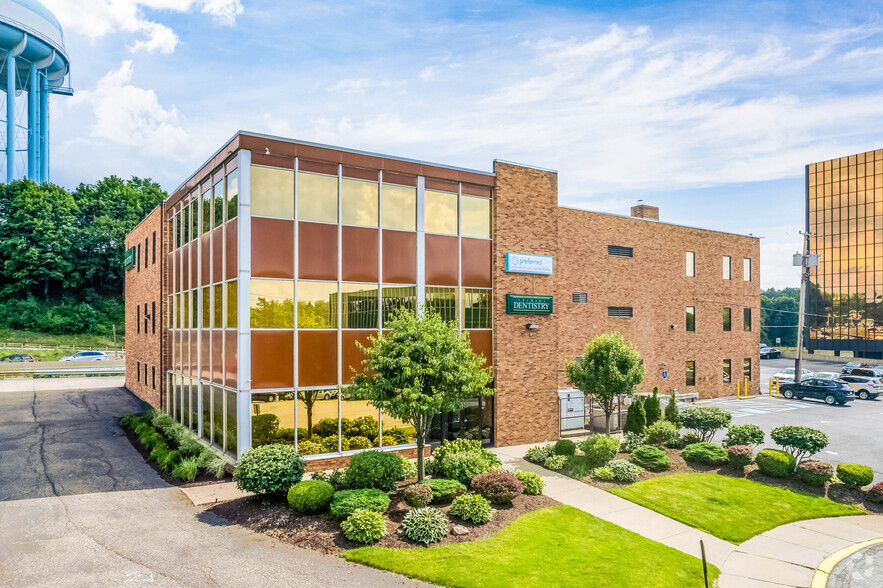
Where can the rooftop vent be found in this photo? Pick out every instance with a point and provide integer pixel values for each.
(645, 211)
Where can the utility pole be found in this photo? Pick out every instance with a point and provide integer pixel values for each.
(805, 262)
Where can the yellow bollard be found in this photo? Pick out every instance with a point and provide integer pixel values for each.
(777, 387)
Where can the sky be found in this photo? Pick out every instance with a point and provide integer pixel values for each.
(708, 110)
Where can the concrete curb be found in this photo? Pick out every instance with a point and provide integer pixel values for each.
(820, 580)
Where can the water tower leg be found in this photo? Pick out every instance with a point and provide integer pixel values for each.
(33, 94)
(44, 131)
(10, 117)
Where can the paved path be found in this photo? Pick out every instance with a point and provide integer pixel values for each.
(79, 507)
(860, 568)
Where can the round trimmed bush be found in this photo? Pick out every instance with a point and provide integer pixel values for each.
(815, 473)
(704, 453)
(269, 469)
(409, 468)
(875, 493)
(624, 471)
(690, 439)
(540, 453)
(498, 487)
(800, 442)
(739, 456)
(599, 449)
(310, 496)
(417, 495)
(425, 525)
(662, 433)
(330, 444)
(472, 507)
(650, 458)
(555, 462)
(359, 442)
(533, 484)
(605, 474)
(444, 490)
(374, 469)
(364, 526)
(750, 435)
(775, 463)
(345, 502)
(565, 447)
(855, 475)
(307, 447)
(705, 420)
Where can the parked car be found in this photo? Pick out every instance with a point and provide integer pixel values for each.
(86, 356)
(770, 353)
(826, 375)
(849, 367)
(867, 372)
(864, 388)
(787, 374)
(18, 357)
(831, 391)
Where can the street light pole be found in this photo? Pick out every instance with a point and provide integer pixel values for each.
(805, 263)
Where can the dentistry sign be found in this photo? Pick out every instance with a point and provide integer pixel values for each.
(522, 263)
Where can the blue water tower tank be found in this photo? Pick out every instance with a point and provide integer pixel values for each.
(34, 65)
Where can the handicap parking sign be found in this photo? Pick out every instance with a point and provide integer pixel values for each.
(664, 375)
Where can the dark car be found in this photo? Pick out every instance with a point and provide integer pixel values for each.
(865, 372)
(831, 391)
(770, 353)
(18, 357)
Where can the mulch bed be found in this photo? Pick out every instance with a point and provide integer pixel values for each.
(202, 478)
(836, 492)
(322, 532)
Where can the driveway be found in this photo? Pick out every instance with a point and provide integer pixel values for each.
(79, 507)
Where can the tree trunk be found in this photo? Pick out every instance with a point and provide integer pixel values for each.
(420, 432)
(607, 421)
(46, 289)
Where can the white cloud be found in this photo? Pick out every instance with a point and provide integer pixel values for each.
(131, 116)
(96, 18)
(351, 86)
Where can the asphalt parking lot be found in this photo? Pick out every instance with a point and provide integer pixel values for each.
(854, 429)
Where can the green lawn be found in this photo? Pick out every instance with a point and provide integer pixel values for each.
(558, 546)
(734, 509)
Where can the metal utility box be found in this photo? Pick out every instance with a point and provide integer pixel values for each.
(573, 409)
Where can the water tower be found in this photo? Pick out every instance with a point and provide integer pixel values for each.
(34, 65)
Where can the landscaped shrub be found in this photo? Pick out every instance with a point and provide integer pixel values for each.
(630, 442)
(359, 442)
(472, 507)
(190, 446)
(651, 458)
(690, 439)
(565, 447)
(456, 446)
(159, 451)
(186, 469)
(624, 471)
(739, 456)
(395, 436)
(652, 407)
(705, 420)
(577, 466)
(364, 426)
(169, 460)
(426, 525)
(336, 478)
(599, 449)
(540, 453)
(875, 493)
(498, 487)
(604, 474)
(466, 465)
(264, 428)
(269, 469)
(815, 473)
(345, 502)
(310, 496)
(417, 495)
(374, 469)
(855, 475)
(775, 463)
(705, 453)
(444, 490)
(636, 418)
(330, 444)
(672, 414)
(364, 526)
(307, 447)
(327, 427)
(533, 483)
(662, 433)
(801, 442)
(409, 468)
(750, 435)
(555, 462)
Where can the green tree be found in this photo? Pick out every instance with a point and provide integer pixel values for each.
(421, 367)
(778, 316)
(636, 418)
(672, 414)
(653, 408)
(610, 367)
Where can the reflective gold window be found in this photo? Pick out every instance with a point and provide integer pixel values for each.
(476, 217)
(232, 194)
(360, 306)
(272, 192)
(316, 305)
(359, 203)
(272, 304)
(231, 305)
(691, 373)
(443, 301)
(728, 371)
(440, 213)
(217, 305)
(178, 320)
(399, 207)
(194, 306)
(746, 368)
(476, 308)
(396, 297)
(205, 305)
(186, 313)
(316, 197)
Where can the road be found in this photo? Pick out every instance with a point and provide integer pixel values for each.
(79, 507)
(853, 430)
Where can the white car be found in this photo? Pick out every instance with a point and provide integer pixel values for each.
(826, 375)
(86, 356)
(787, 375)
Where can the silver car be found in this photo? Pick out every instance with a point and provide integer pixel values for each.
(86, 356)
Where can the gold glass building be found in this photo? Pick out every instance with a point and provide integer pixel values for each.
(844, 215)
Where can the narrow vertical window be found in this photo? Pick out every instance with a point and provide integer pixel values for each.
(153, 247)
(746, 269)
(153, 377)
(146, 252)
(746, 369)
(145, 318)
(153, 317)
(728, 267)
(139, 370)
(691, 264)
(746, 319)
(138, 318)
(691, 373)
(727, 319)
(138, 256)
(728, 371)
(691, 318)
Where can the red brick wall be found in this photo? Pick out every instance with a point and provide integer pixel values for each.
(145, 349)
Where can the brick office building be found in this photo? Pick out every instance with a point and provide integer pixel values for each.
(281, 255)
